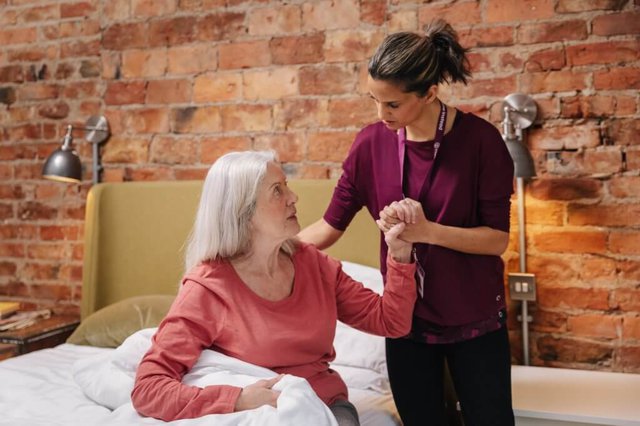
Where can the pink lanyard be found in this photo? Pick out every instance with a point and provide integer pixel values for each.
(437, 141)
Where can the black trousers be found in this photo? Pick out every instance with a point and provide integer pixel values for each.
(480, 370)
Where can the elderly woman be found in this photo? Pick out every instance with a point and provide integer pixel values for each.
(254, 292)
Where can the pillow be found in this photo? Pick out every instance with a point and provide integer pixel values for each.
(111, 325)
(355, 348)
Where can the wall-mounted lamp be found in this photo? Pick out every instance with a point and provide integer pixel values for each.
(518, 113)
(64, 163)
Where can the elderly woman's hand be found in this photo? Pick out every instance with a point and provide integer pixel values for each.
(258, 394)
(418, 228)
(399, 250)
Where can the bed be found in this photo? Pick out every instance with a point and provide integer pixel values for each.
(134, 236)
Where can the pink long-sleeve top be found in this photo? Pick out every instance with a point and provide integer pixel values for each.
(215, 309)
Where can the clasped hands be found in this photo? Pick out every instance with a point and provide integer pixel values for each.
(403, 223)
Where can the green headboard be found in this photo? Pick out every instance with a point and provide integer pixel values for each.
(135, 234)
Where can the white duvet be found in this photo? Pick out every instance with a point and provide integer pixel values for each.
(108, 380)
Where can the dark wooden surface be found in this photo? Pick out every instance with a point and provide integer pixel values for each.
(45, 333)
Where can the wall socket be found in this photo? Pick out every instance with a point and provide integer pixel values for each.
(522, 286)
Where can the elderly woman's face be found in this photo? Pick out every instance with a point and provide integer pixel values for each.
(275, 215)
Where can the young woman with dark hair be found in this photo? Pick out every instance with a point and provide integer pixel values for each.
(457, 167)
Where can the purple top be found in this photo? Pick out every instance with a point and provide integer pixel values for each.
(468, 185)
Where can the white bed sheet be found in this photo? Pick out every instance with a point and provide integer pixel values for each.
(39, 389)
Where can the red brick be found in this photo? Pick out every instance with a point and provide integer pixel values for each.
(557, 138)
(275, 20)
(617, 78)
(221, 26)
(620, 23)
(58, 232)
(301, 113)
(571, 6)
(457, 14)
(246, 118)
(170, 150)
(213, 148)
(244, 55)
(559, 270)
(11, 74)
(7, 269)
(571, 242)
(327, 80)
(501, 11)
(37, 92)
(79, 9)
(39, 14)
(349, 112)
(574, 298)
(297, 49)
(144, 63)
(283, 83)
(122, 93)
(192, 59)
(625, 242)
(289, 146)
(217, 87)
(153, 173)
(373, 11)
(610, 52)
(146, 8)
(329, 146)
(573, 351)
(626, 299)
(543, 321)
(604, 215)
(629, 270)
(629, 356)
(546, 60)
(625, 132)
(554, 81)
(82, 28)
(172, 31)
(625, 186)
(18, 36)
(196, 120)
(147, 120)
(587, 106)
(55, 111)
(351, 46)
(121, 36)
(173, 91)
(486, 36)
(11, 249)
(126, 149)
(496, 86)
(602, 326)
(631, 328)
(602, 162)
(547, 32)
(329, 15)
(568, 189)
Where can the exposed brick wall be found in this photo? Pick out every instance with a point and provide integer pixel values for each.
(183, 81)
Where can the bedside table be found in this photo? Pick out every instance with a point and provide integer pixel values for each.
(45, 333)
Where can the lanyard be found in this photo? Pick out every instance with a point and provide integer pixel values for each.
(402, 140)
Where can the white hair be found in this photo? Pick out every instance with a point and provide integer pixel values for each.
(222, 227)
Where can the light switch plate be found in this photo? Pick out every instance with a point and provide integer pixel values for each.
(522, 286)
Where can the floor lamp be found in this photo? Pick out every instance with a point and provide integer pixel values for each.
(518, 113)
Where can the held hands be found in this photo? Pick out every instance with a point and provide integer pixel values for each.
(399, 249)
(408, 211)
(258, 394)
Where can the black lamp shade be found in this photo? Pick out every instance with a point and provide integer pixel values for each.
(522, 160)
(63, 165)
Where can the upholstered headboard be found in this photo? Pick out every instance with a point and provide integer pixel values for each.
(135, 234)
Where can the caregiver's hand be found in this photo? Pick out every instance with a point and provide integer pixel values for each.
(258, 394)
